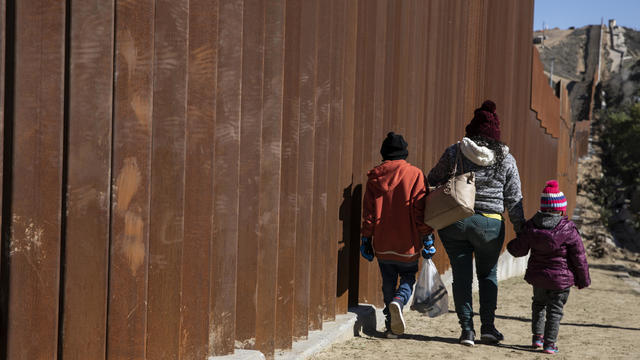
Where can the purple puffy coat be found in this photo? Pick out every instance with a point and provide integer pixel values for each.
(557, 258)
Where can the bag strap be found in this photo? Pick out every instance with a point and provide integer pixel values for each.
(458, 159)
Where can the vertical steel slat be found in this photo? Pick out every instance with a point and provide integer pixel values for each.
(33, 254)
(249, 182)
(224, 256)
(130, 180)
(288, 176)
(166, 223)
(198, 203)
(306, 132)
(90, 99)
(270, 176)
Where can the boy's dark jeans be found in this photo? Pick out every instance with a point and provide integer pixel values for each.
(483, 237)
(550, 303)
(390, 270)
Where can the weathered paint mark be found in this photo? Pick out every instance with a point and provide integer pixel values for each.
(246, 344)
(139, 101)
(33, 234)
(130, 314)
(168, 226)
(128, 50)
(127, 184)
(159, 261)
(202, 61)
(32, 239)
(217, 330)
(82, 197)
(142, 108)
(133, 244)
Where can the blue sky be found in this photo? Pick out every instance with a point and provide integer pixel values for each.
(578, 13)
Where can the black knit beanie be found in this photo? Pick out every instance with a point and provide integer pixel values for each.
(394, 147)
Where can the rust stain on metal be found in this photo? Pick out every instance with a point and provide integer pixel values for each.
(141, 107)
(133, 244)
(83, 197)
(127, 184)
(129, 51)
(202, 61)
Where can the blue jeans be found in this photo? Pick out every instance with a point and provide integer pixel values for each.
(390, 270)
(483, 237)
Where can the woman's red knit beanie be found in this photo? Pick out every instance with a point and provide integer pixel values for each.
(485, 122)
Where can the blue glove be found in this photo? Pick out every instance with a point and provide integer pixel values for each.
(429, 250)
(366, 250)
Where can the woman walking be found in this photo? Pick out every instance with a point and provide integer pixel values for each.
(482, 234)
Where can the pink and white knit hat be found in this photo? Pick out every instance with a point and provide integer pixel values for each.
(552, 199)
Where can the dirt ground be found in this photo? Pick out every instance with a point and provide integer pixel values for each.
(600, 322)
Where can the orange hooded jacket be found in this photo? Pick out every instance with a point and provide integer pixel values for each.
(393, 210)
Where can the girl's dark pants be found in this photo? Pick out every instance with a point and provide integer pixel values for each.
(550, 303)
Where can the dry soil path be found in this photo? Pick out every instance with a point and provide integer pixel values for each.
(600, 322)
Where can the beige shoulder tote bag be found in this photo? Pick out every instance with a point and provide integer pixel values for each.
(453, 200)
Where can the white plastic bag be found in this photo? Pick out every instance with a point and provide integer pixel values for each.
(431, 295)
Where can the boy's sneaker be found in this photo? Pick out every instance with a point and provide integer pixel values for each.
(467, 337)
(490, 335)
(537, 341)
(397, 320)
(550, 348)
(390, 335)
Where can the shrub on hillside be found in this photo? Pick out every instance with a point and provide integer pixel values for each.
(617, 191)
(620, 138)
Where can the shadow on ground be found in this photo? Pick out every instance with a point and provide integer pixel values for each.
(617, 268)
(603, 326)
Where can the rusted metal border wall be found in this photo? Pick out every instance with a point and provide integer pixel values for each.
(185, 177)
(582, 133)
(595, 32)
(553, 110)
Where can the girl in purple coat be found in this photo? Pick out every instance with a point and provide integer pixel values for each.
(557, 262)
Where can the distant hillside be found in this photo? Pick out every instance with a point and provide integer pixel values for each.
(609, 187)
(574, 55)
(621, 83)
(567, 48)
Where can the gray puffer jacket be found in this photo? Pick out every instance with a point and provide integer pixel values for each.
(496, 189)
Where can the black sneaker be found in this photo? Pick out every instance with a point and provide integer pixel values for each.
(390, 335)
(467, 337)
(490, 335)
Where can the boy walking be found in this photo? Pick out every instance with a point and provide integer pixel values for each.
(393, 228)
(557, 263)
